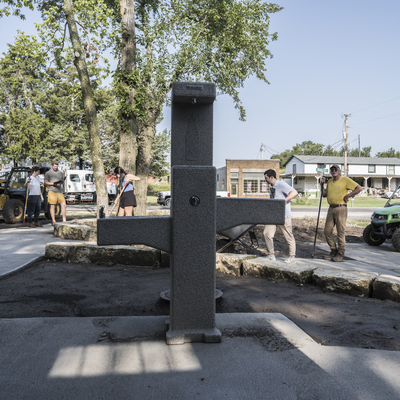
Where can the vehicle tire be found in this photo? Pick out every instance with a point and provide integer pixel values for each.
(396, 239)
(57, 213)
(168, 202)
(13, 211)
(222, 242)
(370, 238)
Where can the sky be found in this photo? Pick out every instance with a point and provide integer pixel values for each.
(331, 58)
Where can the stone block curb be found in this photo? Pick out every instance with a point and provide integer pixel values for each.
(355, 283)
(262, 267)
(84, 229)
(350, 282)
(231, 264)
(91, 253)
(386, 287)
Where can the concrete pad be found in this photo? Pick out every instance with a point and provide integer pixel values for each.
(262, 267)
(350, 282)
(261, 356)
(91, 253)
(386, 287)
(231, 264)
(383, 259)
(21, 246)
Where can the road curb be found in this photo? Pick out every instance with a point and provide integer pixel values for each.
(21, 267)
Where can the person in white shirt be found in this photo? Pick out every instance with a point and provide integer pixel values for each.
(280, 190)
(34, 198)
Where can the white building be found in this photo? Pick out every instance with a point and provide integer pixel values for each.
(369, 172)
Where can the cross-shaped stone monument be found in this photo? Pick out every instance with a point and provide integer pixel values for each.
(188, 234)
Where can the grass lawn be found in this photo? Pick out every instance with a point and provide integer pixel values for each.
(152, 192)
(357, 202)
(151, 200)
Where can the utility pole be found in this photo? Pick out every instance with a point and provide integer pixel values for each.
(261, 150)
(359, 146)
(345, 144)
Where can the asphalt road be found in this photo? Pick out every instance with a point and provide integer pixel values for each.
(354, 213)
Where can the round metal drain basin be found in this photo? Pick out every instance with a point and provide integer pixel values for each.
(165, 295)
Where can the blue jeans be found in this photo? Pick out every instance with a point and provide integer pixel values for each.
(33, 209)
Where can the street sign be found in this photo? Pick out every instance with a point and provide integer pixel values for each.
(321, 170)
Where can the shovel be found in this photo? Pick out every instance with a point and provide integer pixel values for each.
(319, 211)
(117, 200)
(26, 200)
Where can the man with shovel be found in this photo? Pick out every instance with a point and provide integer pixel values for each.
(34, 198)
(338, 195)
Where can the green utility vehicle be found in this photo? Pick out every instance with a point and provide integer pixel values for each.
(385, 223)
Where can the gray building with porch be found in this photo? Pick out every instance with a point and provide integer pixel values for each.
(371, 173)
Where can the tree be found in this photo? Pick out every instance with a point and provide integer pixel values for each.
(390, 153)
(22, 91)
(89, 105)
(330, 151)
(365, 152)
(306, 148)
(109, 132)
(41, 108)
(159, 167)
(220, 41)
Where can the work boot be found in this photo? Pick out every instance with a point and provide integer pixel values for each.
(332, 254)
(338, 258)
(38, 224)
(31, 225)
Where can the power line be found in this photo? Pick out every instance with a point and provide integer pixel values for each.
(391, 115)
(378, 129)
(387, 101)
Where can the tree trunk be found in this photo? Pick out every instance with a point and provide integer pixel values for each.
(129, 127)
(143, 161)
(90, 108)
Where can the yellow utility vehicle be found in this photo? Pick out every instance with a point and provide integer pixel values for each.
(13, 195)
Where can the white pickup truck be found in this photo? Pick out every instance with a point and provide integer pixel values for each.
(164, 198)
(80, 186)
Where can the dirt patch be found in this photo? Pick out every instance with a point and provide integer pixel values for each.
(61, 289)
(304, 234)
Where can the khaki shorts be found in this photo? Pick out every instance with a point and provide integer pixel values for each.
(55, 198)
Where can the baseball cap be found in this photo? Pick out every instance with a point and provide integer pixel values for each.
(335, 166)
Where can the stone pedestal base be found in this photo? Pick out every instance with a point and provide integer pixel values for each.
(190, 336)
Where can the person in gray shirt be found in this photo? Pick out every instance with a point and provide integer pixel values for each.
(34, 198)
(280, 190)
(54, 179)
